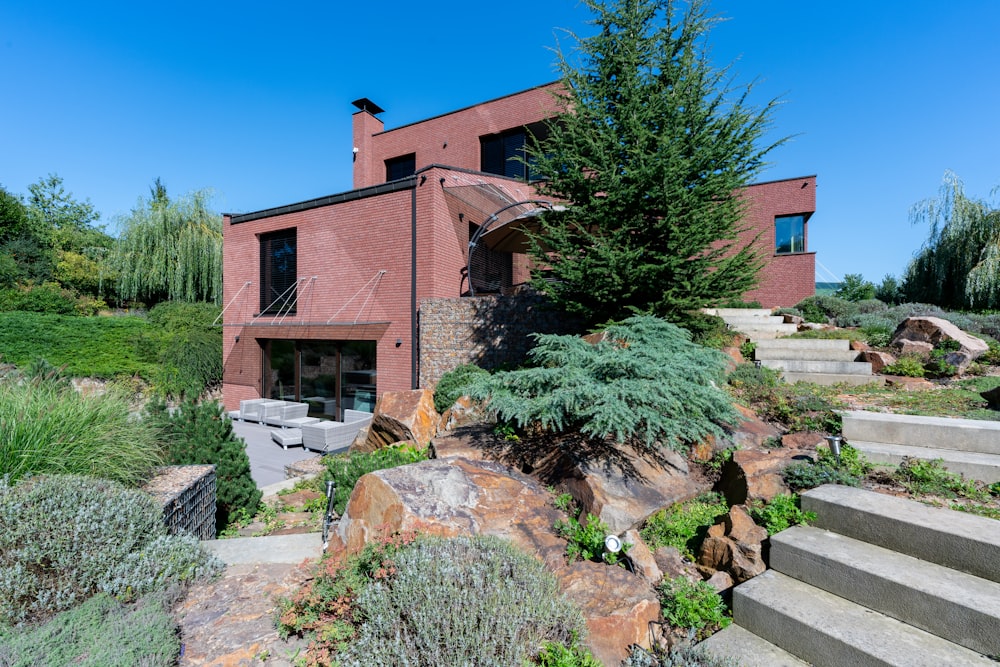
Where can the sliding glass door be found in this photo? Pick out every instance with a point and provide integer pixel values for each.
(331, 376)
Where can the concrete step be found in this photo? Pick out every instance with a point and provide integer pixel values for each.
(805, 344)
(826, 629)
(748, 650)
(292, 549)
(798, 354)
(738, 312)
(753, 330)
(736, 320)
(813, 366)
(956, 540)
(973, 465)
(830, 379)
(956, 606)
(969, 435)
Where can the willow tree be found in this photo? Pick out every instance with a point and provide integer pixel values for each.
(170, 249)
(959, 264)
(650, 151)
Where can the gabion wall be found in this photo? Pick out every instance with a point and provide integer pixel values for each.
(187, 496)
(489, 331)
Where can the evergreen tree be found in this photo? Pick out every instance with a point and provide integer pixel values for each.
(959, 264)
(650, 152)
(200, 434)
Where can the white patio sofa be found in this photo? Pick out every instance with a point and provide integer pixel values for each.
(330, 436)
(252, 409)
(280, 415)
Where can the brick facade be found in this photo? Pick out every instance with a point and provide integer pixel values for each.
(369, 261)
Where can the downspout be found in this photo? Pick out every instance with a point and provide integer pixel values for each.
(414, 351)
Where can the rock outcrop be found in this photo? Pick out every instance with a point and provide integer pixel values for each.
(916, 333)
(756, 475)
(733, 546)
(401, 416)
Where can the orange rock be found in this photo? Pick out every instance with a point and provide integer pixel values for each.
(401, 416)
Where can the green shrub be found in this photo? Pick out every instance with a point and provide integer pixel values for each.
(65, 538)
(646, 385)
(780, 513)
(752, 377)
(684, 525)
(802, 476)
(908, 365)
(586, 540)
(44, 298)
(855, 288)
(823, 309)
(185, 347)
(683, 655)
(47, 427)
(101, 632)
(345, 471)
(922, 476)
(692, 605)
(452, 385)
(852, 461)
(461, 601)
(560, 655)
(708, 330)
(199, 433)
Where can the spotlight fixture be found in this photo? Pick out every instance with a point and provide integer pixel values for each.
(834, 441)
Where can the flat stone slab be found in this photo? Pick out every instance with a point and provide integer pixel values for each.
(970, 435)
(287, 549)
(748, 650)
(973, 465)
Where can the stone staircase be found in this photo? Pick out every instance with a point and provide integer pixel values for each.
(878, 580)
(825, 362)
(970, 447)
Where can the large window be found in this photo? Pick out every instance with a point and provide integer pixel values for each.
(789, 234)
(505, 153)
(400, 167)
(278, 272)
(331, 376)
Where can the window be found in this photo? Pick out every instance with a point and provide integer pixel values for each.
(400, 167)
(789, 234)
(331, 376)
(277, 272)
(504, 153)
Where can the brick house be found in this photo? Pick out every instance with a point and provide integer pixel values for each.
(322, 297)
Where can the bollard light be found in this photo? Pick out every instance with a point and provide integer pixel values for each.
(834, 442)
(612, 544)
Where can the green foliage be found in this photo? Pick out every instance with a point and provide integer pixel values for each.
(747, 349)
(684, 525)
(959, 264)
(199, 433)
(855, 288)
(682, 655)
(803, 476)
(559, 655)
(100, 347)
(65, 538)
(750, 377)
(346, 470)
(452, 385)
(852, 461)
(185, 346)
(889, 291)
(101, 632)
(692, 605)
(781, 512)
(708, 330)
(474, 601)
(800, 407)
(651, 147)
(46, 427)
(907, 365)
(44, 298)
(586, 540)
(170, 249)
(645, 385)
(930, 477)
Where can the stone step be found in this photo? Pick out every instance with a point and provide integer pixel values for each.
(826, 629)
(800, 354)
(957, 540)
(753, 330)
(805, 344)
(973, 465)
(813, 366)
(748, 650)
(830, 379)
(736, 320)
(956, 606)
(969, 435)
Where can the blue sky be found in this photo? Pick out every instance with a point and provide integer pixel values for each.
(252, 99)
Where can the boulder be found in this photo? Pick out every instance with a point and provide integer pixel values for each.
(476, 443)
(642, 558)
(617, 606)
(859, 346)
(878, 360)
(621, 492)
(401, 416)
(673, 565)
(908, 384)
(934, 330)
(756, 475)
(802, 440)
(449, 497)
(917, 347)
(750, 433)
(464, 412)
(734, 546)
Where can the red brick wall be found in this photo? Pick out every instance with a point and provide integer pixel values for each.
(451, 139)
(785, 279)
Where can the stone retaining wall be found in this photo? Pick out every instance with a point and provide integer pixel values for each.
(489, 331)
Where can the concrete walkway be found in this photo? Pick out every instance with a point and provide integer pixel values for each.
(267, 458)
(289, 549)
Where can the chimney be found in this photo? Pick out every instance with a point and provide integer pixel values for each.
(367, 170)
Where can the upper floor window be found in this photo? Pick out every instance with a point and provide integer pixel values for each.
(278, 271)
(789, 234)
(400, 167)
(505, 153)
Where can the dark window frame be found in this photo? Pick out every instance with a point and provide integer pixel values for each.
(278, 271)
(504, 153)
(400, 167)
(791, 236)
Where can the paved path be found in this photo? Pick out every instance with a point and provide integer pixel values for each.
(267, 458)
